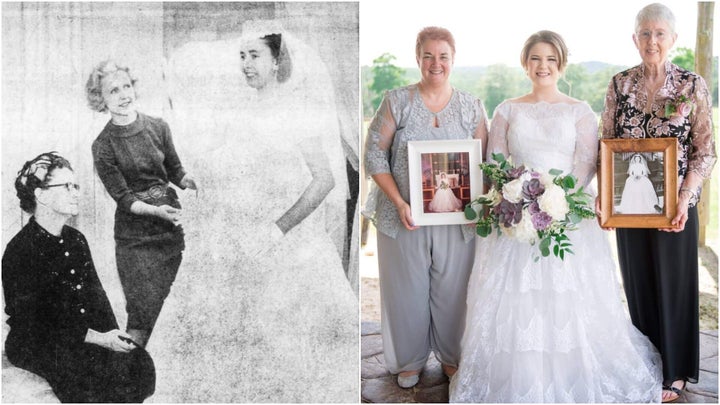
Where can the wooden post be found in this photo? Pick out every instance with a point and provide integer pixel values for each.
(704, 67)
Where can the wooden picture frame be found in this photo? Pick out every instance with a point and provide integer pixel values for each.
(638, 182)
(444, 177)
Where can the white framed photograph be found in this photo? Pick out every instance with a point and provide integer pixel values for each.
(444, 177)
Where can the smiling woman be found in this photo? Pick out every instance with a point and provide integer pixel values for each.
(136, 160)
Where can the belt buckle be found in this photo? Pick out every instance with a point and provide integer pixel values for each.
(156, 192)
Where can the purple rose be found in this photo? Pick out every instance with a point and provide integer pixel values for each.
(516, 172)
(534, 208)
(541, 220)
(532, 189)
(508, 213)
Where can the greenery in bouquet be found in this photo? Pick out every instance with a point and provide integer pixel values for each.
(530, 206)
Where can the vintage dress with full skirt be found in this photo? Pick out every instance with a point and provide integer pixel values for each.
(445, 200)
(638, 196)
(254, 319)
(550, 330)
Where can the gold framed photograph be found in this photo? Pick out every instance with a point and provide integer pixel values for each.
(444, 177)
(638, 182)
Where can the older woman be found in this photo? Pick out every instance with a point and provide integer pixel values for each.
(61, 324)
(660, 266)
(423, 271)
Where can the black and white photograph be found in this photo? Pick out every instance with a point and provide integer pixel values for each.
(179, 193)
(639, 183)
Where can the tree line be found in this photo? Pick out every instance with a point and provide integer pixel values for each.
(492, 84)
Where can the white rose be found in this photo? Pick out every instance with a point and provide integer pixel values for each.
(493, 196)
(546, 179)
(524, 230)
(512, 191)
(553, 202)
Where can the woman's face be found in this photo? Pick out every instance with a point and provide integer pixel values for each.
(542, 65)
(57, 196)
(258, 64)
(118, 94)
(435, 61)
(654, 39)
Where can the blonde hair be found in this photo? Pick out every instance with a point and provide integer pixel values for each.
(93, 87)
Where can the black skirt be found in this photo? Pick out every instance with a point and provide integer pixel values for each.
(660, 276)
(90, 373)
(148, 252)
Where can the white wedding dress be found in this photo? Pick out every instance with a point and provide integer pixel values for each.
(251, 317)
(444, 199)
(551, 330)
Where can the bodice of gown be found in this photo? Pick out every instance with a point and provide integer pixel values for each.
(258, 172)
(547, 136)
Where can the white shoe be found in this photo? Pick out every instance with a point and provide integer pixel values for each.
(409, 381)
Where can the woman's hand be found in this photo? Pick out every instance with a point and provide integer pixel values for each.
(189, 182)
(682, 214)
(168, 213)
(598, 214)
(115, 340)
(405, 214)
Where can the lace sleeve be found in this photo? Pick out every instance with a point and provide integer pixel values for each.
(497, 138)
(702, 154)
(586, 146)
(380, 139)
(608, 115)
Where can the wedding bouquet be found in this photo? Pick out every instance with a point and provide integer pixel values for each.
(530, 206)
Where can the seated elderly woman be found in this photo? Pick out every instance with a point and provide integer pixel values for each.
(61, 324)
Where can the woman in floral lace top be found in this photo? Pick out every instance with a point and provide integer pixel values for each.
(653, 100)
(423, 271)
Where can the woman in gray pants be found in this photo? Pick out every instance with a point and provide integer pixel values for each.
(423, 270)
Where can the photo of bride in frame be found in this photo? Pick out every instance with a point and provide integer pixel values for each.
(638, 182)
(444, 177)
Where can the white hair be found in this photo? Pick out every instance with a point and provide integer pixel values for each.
(655, 12)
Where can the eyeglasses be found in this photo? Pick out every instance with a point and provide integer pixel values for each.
(68, 186)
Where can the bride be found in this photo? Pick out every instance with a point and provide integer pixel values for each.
(551, 330)
(261, 311)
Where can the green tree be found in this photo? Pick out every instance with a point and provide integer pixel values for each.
(386, 76)
(574, 81)
(684, 57)
(500, 83)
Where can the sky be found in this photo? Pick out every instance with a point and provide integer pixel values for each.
(493, 31)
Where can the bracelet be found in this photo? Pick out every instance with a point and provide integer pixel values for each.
(693, 194)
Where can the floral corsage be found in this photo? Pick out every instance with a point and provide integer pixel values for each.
(681, 107)
(530, 206)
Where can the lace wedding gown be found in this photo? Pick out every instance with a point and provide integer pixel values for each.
(551, 330)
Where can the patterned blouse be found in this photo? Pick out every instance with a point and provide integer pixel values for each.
(682, 108)
(403, 117)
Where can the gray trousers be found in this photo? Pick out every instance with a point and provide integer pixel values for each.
(423, 285)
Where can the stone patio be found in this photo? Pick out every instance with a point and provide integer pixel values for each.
(379, 386)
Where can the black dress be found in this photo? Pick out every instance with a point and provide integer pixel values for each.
(53, 296)
(137, 162)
